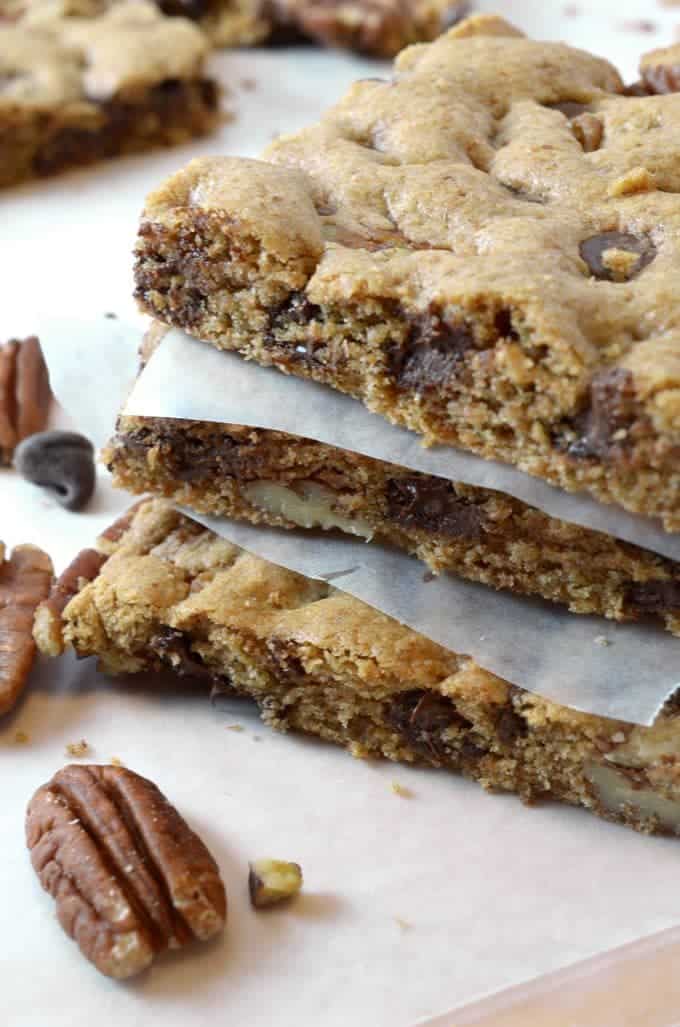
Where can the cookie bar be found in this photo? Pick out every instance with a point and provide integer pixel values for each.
(76, 90)
(483, 248)
(162, 591)
(378, 27)
(268, 477)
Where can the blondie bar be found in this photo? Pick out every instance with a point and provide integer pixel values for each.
(163, 591)
(483, 248)
(76, 90)
(269, 477)
(377, 27)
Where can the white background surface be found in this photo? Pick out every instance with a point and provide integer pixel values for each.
(493, 893)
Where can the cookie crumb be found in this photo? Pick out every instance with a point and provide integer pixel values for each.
(404, 925)
(77, 749)
(273, 880)
(601, 640)
(21, 738)
(234, 727)
(116, 762)
(401, 790)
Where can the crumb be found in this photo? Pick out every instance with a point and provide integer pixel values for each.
(401, 923)
(234, 727)
(77, 748)
(401, 791)
(248, 84)
(601, 640)
(21, 738)
(115, 762)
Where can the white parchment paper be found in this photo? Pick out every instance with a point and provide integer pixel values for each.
(223, 387)
(624, 671)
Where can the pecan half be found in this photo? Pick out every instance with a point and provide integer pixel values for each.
(25, 580)
(24, 394)
(47, 625)
(129, 877)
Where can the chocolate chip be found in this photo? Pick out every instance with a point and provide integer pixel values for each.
(503, 324)
(510, 726)
(653, 596)
(593, 249)
(61, 462)
(173, 649)
(421, 716)
(432, 504)
(194, 9)
(611, 412)
(432, 353)
(297, 310)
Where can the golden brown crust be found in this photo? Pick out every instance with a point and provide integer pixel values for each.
(317, 660)
(477, 260)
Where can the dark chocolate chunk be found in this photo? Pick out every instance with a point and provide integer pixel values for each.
(173, 649)
(593, 248)
(62, 462)
(653, 596)
(503, 323)
(432, 353)
(612, 410)
(421, 717)
(193, 9)
(431, 503)
(510, 726)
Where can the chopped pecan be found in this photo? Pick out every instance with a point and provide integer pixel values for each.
(273, 880)
(25, 580)
(129, 877)
(24, 394)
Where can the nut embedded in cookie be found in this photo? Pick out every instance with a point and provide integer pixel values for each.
(129, 877)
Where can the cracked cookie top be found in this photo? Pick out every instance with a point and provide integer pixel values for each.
(63, 60)
(492, 180)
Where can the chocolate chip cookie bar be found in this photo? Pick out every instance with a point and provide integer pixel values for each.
(162, 591)
(483, 248)
(269, 477)
(76, 90)
(378, 27)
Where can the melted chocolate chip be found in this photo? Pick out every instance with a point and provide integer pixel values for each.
(510, 726)
(612, 410)
(593, 249)
(653, 596)
(432, 353)
(295, 310)
(431, 503)
(503, 324)
(193, 9)
(173, 650)
(421, 716)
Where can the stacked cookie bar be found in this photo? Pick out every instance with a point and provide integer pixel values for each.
(481, 249)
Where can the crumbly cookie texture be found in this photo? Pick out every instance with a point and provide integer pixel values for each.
(268, 477)
(169, 593)
(483, 248)
(378, 27)
(75, 90)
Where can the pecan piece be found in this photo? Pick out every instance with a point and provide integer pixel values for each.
(129, 877)
(25, 580)
(47, 626)
(273, 880)
(24, 394)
